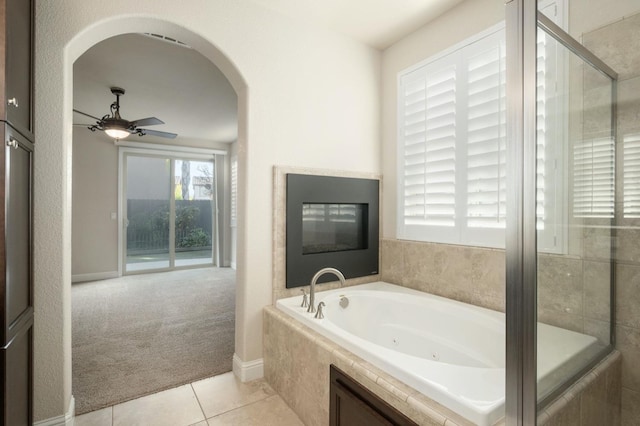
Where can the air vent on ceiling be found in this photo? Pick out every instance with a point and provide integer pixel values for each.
(167, 39)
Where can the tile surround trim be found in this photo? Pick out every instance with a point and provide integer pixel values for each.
(279, 226)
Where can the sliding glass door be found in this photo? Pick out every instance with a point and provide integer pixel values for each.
(169, 210)
(193, 222)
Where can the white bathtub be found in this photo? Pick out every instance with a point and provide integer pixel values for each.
(450, 351)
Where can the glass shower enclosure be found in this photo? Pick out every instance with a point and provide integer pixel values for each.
(561, 153)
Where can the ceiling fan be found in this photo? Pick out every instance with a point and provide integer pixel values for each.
(119, 128)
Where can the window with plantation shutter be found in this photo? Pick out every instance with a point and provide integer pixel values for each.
(429, 148)
(452, 146)
(486, 143)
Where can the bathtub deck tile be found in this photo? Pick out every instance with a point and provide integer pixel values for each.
(438, 419)
(364, 371)
(556, 406)
(543, 418)
(392, 389)
(342, 360)
(326, 344)
(400, 387)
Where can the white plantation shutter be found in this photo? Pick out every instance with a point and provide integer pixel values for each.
(452, 146)
(486, 142)
(631, 164)
(594, 177)
(429, 149)
(551, 124)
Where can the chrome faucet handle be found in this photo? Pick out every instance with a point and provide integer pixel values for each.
(319, 314)
(305, 301)
(311, 308)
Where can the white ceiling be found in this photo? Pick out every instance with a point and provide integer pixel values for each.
(181, 87)
(377, 23)
(173, 83)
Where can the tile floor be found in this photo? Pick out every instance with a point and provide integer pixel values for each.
(218, 401)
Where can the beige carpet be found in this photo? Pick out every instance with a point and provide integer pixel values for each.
(140, 334)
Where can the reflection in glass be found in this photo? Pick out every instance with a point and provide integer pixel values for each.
(333, 227)
(576, 200)
(148, 195)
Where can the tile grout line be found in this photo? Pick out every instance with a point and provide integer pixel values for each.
(199, 403)
(240, 407)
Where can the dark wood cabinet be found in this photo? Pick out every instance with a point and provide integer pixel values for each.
(17, 289)
(17, 355)
(16, 189)
(351, 404)
(16, 64)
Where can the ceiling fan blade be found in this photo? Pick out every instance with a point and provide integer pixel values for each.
(83, 125)
(149, 121)
(157, 133)
(87, 115)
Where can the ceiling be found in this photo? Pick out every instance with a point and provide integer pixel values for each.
(162, 79)
(185, 90)
(377, 23)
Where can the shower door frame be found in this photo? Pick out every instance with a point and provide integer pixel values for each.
(522, 21)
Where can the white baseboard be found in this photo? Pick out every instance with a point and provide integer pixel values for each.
(233, 265)
(80, 278)
(248, 371)
(64, 420)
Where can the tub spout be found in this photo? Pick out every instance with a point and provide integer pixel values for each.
(312, 290)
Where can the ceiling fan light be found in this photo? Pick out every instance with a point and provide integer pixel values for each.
(117, 133)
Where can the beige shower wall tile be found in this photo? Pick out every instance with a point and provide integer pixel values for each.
(597, 240)
(392, 261)
(630, 407)
(598, 329)
(628, 249)
(628, 295)
(488, 272)
(628, 111)
(561, 319)
(560, 284)
(597, 108)
(597, 290)
(628, 343)
(617, 45)
(439, 269)
(420, 263)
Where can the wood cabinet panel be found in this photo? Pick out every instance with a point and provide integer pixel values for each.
(18, 281)
(16, 360)
(16, 180)
(16, 69)
(351, 404)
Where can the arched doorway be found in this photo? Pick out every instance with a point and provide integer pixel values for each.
(171, 320)
(53, 219)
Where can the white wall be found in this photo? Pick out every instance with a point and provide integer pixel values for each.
(95, 197)
(307, 97)
(454, 26)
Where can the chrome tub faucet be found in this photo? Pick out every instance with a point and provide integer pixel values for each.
(312, 290)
